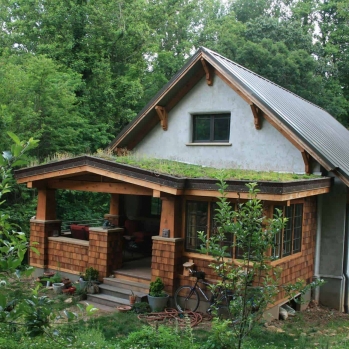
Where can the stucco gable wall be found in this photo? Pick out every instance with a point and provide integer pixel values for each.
(264, 149)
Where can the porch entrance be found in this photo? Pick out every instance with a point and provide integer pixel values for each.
(135, 269)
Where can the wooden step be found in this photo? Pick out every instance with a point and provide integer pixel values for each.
(128, 284)
(131, 277)
(108, 300)
(120, 292)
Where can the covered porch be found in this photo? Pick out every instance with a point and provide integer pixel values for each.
(143, 207)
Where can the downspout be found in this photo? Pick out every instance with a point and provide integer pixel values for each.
(345, 262)
(316, 291)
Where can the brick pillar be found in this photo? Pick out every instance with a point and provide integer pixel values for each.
(167, 261)
(39, 232)
(105, 250)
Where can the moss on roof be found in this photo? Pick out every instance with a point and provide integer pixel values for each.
(181, 169)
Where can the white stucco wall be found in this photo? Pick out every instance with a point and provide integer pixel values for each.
(264, 149)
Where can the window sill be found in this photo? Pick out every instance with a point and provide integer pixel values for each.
(286, 259)
(211, 144)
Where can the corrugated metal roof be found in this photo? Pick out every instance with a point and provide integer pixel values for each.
(312, 124)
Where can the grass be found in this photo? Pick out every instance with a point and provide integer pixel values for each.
(181, 169)
(324, 331)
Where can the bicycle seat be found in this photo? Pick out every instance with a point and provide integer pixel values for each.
(200, 275)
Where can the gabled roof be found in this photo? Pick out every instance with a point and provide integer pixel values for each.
(310, 128)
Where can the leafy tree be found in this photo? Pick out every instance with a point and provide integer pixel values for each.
(252, 284)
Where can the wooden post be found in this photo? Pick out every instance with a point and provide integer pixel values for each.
(171, 216)
(114, 204)
(46, 209)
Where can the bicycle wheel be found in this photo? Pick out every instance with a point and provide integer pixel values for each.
(186, 299)
(222, 304)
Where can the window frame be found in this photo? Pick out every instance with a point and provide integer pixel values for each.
(209, 226)
(212, 117)
(293, 231)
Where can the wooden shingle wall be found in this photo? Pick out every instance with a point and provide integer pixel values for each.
(167, 261)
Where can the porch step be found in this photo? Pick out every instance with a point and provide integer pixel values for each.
(106, 299)
(119, 292)
(129, 276)
(135, 286)
(115, 291)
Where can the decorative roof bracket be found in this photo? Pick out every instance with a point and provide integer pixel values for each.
(208, 72)
(257, 114)
(162, 114)
(307, 159)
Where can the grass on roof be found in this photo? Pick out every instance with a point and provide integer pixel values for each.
(181, 169)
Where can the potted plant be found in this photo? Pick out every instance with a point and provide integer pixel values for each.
(157, 298)
(132, 297)
(91, 274)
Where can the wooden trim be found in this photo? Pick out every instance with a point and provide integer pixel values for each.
(257, 115)
(208, 71)
(156, 193)
(170, 105)
(261, 196)
(108, 174)
(142, 133)
(184, 90)
(114, 204)
(99, 187)
(307, 159)
(286, 259)
(162, 114)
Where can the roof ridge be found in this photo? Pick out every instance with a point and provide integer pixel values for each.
(204, 49)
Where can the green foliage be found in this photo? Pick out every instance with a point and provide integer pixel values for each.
(156, 288)
(161, 337)
(91, 274)
(253, 284)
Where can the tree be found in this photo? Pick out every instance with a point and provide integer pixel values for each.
(252, 284)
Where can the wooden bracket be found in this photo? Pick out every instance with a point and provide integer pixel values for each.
(257, 114)
(162, 114)
(306, 159)
(208, 72)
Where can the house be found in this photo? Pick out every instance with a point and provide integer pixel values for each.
(216, 113)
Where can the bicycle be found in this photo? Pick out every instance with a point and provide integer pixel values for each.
(187, 298)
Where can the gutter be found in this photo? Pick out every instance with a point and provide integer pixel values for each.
(345, 263)
(316, 291)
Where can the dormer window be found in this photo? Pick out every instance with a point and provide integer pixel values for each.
(211, 128)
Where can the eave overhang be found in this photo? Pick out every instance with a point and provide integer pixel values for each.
(106, 175)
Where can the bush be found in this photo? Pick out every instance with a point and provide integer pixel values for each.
(161, 337)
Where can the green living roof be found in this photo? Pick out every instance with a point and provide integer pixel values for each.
(181, 169)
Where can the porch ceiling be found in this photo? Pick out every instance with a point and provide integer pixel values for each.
(88, 173)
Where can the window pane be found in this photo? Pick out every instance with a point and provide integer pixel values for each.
(297, 230)
(202, 128)
(287, 245)
(155, 209)
(221, 128)
(196, 220)
(276, 252)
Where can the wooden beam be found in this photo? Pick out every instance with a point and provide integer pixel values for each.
(257, 114)
(99, 187)
(208, 71)
(46, 208)
(162, 114)
(185, 89)
(156, 193)
(269, 197)
(182, 91)
(307, 160)
(114, 204)
(104, 173)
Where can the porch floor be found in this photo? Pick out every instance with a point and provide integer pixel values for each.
(140, 268)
